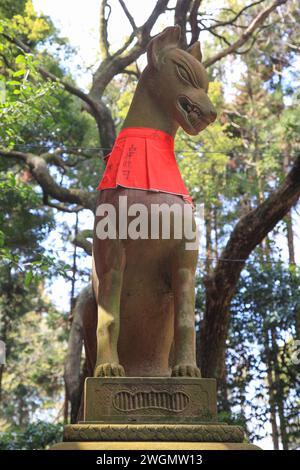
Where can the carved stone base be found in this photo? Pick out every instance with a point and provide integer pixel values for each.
(150, 400)
(154, 432)
(131, 413)
(108, 445)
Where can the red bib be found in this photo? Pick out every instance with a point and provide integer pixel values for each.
(143, 158)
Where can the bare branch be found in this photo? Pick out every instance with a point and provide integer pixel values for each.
(180, 17)
(104, 44)
(254, 25)
(125, 45)
(245, 51)
(193, 20)
(129, 16)
(119, 61)
(219, 36)
(237, 15)
(158, 9)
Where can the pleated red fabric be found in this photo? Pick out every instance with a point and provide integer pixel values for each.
(143, 158)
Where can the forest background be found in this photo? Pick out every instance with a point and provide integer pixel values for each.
(67, 75)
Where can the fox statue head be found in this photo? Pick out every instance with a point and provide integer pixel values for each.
(174, 85)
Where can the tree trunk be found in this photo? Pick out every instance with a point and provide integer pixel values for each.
(221, 284)
(1, 378)
(208, 238)
(223, 388)
(73, 362)
(290, 238)
(279, 392)
(5, 327)
(73, 375)
(289, 221)
(66, 407)
(272, 399)
(215, 218)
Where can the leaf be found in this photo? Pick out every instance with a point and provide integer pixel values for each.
(28, 278)
(16, 92)
(19, 73)
(13, 82)
(2, 238)
(20, 59)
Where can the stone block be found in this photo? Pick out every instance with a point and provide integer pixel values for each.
(149, 400)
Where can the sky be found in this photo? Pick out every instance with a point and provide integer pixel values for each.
(78, 21)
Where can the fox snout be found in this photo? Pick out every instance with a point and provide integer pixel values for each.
(207, 109)
(210, 114)
(197, 109)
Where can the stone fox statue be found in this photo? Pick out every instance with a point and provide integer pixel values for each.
(144, 288)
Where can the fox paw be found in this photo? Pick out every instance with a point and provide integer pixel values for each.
(185, 370)
(109, 370)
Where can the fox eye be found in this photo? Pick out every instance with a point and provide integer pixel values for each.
(183, 74)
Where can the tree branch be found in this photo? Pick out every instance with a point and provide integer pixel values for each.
(96, 107)
(221, 284)
(115, 64)
(72, 364)
(256, 22)
(193, 20)
(219, 36)
(180, 17)
(294, 47)
(82, 241)
(104, 44)
(61, 207)
(129, 16)
(39, 170)
(125, 45)
(55, 158)
(237, 15)
(133, 73)
(46, 74)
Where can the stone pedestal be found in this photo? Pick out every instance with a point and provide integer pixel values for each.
(154, 446)
(161, 413)
(150, 400)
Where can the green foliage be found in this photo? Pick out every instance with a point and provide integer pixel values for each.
(25, 96)
(35, 436)
(33, 374)
(21, 19)
(230, 168)
(10, 8)
(24, 224)
(118, 97)
(260, 353)
(21, 214)
(203, 159)
(32, 110)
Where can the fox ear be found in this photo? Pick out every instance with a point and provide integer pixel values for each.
(168, 38)
(195, 51)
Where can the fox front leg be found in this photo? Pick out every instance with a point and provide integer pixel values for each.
(184, 320)
(109, 295)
